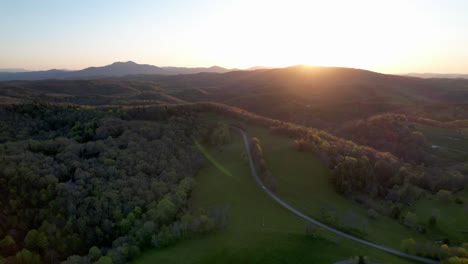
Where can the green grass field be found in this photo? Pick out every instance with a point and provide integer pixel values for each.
(452, 222)
(304, 183)
(453, 142)
(259, 230)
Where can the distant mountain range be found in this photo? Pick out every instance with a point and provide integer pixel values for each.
(13, 70)
(439, 75)
(115, 69)
(120, 69)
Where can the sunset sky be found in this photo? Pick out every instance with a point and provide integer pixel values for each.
(385, 36)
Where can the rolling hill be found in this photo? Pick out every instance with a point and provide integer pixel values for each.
(316, 96)
(439, 75)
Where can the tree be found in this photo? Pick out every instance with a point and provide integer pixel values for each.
(220, 135)
(361, 260)
(36, 240)
(7, 241)
(455, 260)
(352, 174)
(434, 217)
(94, 253)
(75, 259)
(410, 219)
(408, 245)
(395, 212)
(165, 210)
(444, 251)
(104, 260)
(325, 146)
(8, 246)
(372, 213)
(27, 257)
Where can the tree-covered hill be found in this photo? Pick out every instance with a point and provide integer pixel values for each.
(314, 96)
(86, 185)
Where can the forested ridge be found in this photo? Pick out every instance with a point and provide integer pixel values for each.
(392, 134)
(91, 185)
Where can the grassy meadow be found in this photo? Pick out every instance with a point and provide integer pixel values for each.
(453, 142)
(304, 183)
(259, 230)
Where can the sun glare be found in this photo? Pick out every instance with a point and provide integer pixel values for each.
(329, 33)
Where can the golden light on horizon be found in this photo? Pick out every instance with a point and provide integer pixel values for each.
(395, 37)
(319, 33)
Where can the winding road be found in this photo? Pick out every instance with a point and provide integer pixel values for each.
(320, 224)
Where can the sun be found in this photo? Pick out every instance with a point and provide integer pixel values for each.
(327, 33)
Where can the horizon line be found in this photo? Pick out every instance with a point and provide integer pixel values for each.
(24, 70)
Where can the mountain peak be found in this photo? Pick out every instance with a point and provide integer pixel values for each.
(124, 63)
(216, 67)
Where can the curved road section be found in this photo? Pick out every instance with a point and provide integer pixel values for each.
(317, 223)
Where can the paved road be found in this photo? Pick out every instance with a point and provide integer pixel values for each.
(317, 223)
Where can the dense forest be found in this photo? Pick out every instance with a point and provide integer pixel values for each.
(91, 185)
(389, 133)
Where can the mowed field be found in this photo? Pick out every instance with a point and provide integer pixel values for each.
(259, 230)
(303, 182)
(452, 221)
(453, 142)
(453, 217)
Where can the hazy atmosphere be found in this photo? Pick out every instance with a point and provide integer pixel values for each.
(385, 36)
(256, 132)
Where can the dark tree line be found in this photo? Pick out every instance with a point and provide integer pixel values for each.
(461, 123)
(46, 121)
(265, 174)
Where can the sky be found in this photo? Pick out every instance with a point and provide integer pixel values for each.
(398, 36)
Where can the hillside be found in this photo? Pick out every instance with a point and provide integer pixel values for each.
(330, 83)
(314, 84)
(315, 96)
(321, 96)
(439, 75)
